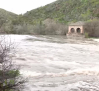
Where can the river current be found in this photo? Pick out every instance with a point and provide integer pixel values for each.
(55, 63)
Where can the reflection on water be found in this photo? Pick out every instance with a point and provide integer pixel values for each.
(57, 63)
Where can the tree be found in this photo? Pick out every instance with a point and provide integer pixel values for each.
(10, 79)
(92, 28)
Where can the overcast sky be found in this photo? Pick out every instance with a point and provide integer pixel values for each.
(22, 6)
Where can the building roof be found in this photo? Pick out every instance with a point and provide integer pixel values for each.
(80, 23)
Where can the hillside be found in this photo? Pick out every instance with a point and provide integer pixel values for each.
(52, 19)
(6, 16)
(65, 11)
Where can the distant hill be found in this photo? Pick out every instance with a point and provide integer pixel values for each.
(65, 11)
(6, 16)
(52, 19)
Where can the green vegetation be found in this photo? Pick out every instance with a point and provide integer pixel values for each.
(65, 11)
(6, 20)
(10, 78)
(62, 12)
(86, 35)
(6, 16)
(92, 28)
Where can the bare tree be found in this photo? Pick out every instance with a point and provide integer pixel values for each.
(10, 79)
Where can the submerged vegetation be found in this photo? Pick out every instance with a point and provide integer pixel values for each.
(61, 13)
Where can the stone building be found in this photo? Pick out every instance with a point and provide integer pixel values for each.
(76, 29)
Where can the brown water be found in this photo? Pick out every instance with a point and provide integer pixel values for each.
(55, 63)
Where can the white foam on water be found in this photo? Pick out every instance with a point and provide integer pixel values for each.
(29, 73)
(96, 40)
(87, 71)
(81, 86)
(62, 62)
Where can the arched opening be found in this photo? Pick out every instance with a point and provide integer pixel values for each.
(72, 30)
(78, 30)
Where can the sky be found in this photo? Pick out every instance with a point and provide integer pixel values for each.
(22, 6)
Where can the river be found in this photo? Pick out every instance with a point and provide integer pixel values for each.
(55, 63)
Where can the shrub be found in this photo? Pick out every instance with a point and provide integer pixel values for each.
(10, 79)
(92, 28)
(48, 27)
(86, 35)
(54, 28)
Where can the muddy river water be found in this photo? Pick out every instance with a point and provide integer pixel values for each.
(55, 63)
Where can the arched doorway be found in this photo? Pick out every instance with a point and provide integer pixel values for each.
(72, 30)
(78, 30)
